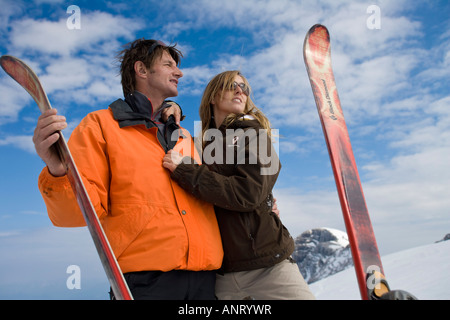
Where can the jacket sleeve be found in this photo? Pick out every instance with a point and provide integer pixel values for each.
(88, 149)
(243, 191)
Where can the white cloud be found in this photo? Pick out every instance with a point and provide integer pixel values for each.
(296, 144)
(370, 65)
(72, 59)
(14, 98)
(74, 66)
(99, 32)
(10, 8)
(301, 210)
(195, 79)
(66, 74)
(22, 142)
(407, 199)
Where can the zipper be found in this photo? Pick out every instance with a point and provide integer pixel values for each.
(250, 236)
(249, 229)
(169, 128)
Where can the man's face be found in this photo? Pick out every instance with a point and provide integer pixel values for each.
(164, 75)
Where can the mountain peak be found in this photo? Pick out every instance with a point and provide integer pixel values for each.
(445, 238)
(321, 252)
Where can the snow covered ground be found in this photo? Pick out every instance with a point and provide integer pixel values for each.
(422, 271)
(38, 271)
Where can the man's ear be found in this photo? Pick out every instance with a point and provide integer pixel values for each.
(140, 69)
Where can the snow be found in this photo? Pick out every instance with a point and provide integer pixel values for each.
(321, 252)
(421, 271)
(341, 236)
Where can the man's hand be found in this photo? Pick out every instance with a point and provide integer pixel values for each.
(275, 208)
(45, 135)
(174, 110)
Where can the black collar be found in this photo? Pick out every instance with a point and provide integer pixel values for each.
(139, 103)
(136, 109)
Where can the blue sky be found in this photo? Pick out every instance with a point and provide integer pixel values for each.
(393, 83)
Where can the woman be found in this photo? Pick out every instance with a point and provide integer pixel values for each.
(239, 171)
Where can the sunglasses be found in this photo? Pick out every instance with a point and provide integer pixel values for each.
(245, 89)
(154, 46)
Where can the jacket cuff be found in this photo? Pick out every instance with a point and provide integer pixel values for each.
(49, 183)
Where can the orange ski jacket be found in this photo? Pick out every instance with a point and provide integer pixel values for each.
(150, 221)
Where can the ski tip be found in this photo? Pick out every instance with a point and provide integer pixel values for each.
(318, 30)
(7, 62)
(316, 47)
(6, 58)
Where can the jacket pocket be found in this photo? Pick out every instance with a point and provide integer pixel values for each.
(125, 223)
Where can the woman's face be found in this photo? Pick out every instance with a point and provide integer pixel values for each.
(232, 101)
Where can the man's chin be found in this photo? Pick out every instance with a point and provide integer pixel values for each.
(173, 92)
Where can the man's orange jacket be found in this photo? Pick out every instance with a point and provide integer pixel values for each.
(150, 221)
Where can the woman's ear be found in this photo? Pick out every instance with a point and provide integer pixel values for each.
(215, 99)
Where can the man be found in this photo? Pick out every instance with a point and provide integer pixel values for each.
(166, 241)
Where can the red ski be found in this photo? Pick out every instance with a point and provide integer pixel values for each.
(366, 258)
(23, 74)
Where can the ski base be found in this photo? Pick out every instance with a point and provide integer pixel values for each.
(368, 267)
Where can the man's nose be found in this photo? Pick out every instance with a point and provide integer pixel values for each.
(178, 72)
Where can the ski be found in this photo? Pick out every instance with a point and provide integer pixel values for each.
(25, 76)
(366, 258)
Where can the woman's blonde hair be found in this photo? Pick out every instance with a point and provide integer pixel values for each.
(217, 86)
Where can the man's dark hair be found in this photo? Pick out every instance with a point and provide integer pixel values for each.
(138, 50)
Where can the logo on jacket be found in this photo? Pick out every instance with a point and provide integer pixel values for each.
(234, 142)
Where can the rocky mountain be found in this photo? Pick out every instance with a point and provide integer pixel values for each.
(322, 252)
(446, 237)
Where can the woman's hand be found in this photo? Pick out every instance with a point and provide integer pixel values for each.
(171, 160)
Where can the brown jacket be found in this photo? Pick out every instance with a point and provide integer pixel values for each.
(253, 236)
